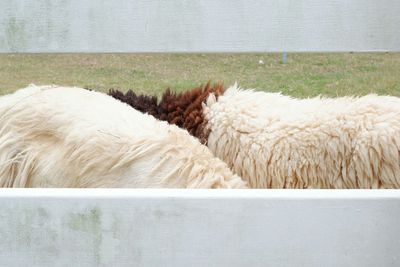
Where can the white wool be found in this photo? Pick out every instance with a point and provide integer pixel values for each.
(275, 141)
(70, 137)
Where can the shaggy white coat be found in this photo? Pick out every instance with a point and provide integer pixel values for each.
(275, 141)
(71, 137)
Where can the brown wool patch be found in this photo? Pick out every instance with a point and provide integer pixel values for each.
(185, 109)
(182, 109)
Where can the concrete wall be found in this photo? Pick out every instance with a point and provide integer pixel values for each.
(202, 25)
(117, 227)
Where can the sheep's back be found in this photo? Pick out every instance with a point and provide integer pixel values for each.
(71, 137)
(275, 141)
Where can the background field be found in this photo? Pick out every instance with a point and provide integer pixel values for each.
(304, 74)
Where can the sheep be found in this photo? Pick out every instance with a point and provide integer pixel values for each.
(54, 136)
(276, 141)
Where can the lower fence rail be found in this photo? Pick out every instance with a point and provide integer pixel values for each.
(171, 227)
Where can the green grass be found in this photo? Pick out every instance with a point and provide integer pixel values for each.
(304, 75)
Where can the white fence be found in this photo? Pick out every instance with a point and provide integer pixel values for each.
(201, 25)
(116, 227)
(60, 227)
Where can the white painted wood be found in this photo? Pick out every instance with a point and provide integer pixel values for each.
(128, 227)
(199, 26)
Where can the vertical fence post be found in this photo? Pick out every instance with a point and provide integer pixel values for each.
(284, 57)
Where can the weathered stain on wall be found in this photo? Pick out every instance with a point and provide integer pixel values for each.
(15, 35)
(89, 223)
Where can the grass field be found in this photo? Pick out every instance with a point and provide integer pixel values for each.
(303, 75)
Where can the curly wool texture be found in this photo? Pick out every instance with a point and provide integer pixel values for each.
(275, 141)
(70, 137)
(185, 109)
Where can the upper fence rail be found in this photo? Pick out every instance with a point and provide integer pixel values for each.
(199, 26)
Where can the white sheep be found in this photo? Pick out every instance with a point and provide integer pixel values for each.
(276, 141)
(71, 137)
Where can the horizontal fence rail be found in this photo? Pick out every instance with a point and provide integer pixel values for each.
(199, 26)
(128, 227)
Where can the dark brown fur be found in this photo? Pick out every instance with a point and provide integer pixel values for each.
(143, 103)
(183, 109)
